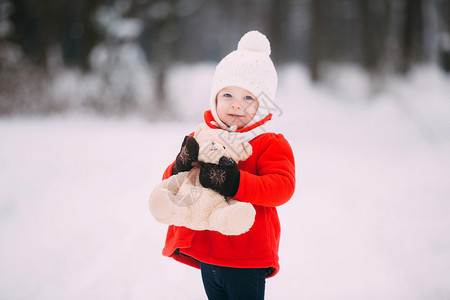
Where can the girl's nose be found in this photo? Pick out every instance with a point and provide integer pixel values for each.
(236, 105)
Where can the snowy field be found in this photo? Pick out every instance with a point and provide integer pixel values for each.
(370, 218)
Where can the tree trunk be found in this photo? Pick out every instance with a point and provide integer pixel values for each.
(315, 39)
(444, 32)
(277, 29)
(411, 40)
(368, 55)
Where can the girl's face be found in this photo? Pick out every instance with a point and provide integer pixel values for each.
(236, 106)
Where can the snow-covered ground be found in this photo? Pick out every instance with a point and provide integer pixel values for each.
(370, 218)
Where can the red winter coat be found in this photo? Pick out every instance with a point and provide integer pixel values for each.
(267, 180)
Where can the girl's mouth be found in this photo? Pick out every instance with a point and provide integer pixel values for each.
(235, 115)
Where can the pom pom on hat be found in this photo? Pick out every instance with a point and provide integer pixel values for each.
(248, 67)
(254, 41)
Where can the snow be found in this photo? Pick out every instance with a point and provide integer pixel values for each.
(369, 219)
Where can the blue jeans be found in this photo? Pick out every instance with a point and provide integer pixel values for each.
(224, 283)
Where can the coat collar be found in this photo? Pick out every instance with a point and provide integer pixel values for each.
(209, 120)
(248, 133)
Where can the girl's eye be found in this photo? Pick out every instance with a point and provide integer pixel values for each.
(227, 95)
(248, 98)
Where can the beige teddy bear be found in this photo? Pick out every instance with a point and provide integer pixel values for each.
(182, 201)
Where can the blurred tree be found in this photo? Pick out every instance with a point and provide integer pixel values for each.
(340, 30)
(443, 8)
(161, 24)
(374, 26)
(31, 32)
(315, 38)
(40, 25)
(277, 32)
(411, 39)
(78, 35)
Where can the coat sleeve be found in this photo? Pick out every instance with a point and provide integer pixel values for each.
(274, 183)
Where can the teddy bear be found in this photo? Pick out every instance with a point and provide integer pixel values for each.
(182, 201)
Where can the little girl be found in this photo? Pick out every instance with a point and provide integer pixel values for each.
(235, 267)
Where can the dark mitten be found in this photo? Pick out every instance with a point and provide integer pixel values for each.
(188, 154)
(223, 177)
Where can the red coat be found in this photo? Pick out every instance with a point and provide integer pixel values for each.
(267, 180)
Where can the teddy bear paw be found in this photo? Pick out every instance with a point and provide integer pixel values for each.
(233, 220)
(160, 205)
(241, 218)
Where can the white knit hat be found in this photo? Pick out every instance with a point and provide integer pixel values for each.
(251, 68)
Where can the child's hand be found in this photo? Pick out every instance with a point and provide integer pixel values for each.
(223, 177)
(188, 154)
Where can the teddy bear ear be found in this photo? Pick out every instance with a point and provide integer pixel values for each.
(247, 149)
(199, 129)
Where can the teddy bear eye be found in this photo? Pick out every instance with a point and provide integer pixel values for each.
(223, 147)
